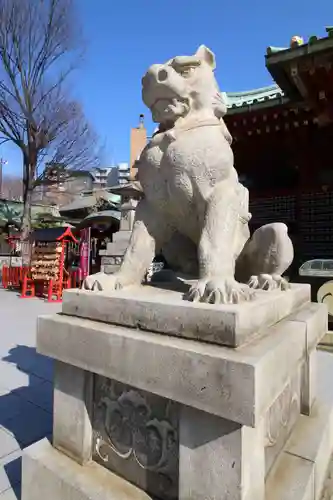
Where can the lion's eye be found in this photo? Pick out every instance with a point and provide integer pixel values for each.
(186, 72)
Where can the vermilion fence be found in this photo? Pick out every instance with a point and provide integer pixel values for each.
(15, 276)
(12, 276)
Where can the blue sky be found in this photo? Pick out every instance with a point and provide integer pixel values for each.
(125, 36)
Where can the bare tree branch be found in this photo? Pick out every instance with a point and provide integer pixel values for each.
(40, 46)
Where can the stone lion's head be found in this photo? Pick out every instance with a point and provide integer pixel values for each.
(181, 85)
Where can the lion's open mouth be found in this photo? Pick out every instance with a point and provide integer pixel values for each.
(168, 110)
(166, 101)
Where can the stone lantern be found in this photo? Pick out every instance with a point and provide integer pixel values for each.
(112, 257)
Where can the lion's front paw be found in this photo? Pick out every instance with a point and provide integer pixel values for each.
(268, 282)
(102, 282)
(219, 291)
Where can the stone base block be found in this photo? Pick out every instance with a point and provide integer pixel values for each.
(164, 311)
(179, 418)
(47, 473)
(236, 384)
(300, 471)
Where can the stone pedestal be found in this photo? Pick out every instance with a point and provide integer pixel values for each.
(155, 397)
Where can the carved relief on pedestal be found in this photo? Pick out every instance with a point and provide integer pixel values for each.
(279, 415)
(280, 419)
(136, 436)
(327, 490)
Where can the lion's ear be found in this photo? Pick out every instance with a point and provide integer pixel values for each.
(205, 54)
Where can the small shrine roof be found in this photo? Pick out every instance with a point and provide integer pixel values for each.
(104, 214)
(80, 203)
(130, 188)
(52, 234)
(89, 201)
(109, 216)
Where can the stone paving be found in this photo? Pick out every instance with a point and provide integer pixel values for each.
(26, 386)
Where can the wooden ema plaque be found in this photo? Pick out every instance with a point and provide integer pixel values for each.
(47, 270)
(46, 261)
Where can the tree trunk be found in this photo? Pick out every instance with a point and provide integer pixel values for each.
(28, 173)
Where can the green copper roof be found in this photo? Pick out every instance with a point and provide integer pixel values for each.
(312, 40)
(236, 100)
(278, 62)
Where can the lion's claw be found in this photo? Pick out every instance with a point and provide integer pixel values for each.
(268, 282)
(219, 291)
(100, 282)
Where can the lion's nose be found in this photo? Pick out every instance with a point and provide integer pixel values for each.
(156, 73)
(162, 75)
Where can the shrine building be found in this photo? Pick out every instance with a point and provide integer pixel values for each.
(282, 137)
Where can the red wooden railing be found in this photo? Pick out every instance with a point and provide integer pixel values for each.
(13, 276)
(17, 277)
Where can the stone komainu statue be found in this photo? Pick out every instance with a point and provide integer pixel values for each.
(194, 207)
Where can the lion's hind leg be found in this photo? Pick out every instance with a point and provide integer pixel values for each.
(266, 257)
